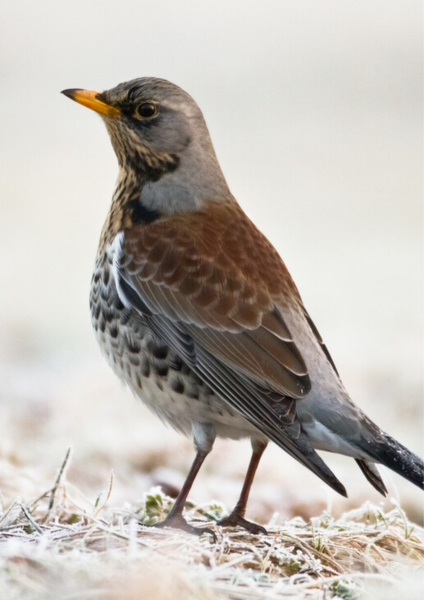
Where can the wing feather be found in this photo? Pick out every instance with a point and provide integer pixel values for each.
(213, 288)
(218, 310)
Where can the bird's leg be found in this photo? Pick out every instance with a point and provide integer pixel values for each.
(204, 436)
(236, 518)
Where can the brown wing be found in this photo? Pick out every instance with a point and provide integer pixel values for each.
(208, 283)
(214, 272)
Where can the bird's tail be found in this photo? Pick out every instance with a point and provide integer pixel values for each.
(390, 453)
(370, 471)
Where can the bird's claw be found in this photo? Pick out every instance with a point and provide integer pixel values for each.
(235, 520)
(178, 522)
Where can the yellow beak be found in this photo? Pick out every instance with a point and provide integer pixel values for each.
(91, 100)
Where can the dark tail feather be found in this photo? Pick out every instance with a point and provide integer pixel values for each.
(396, 457)
(371, 473)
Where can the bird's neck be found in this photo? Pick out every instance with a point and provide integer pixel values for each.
(125, 199)
(196, 179)
(145, 196)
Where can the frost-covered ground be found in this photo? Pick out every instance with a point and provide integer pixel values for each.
(62, 546)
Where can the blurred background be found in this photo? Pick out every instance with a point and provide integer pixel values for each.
(315, 109)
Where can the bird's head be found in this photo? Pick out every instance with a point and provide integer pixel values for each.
(159, 136)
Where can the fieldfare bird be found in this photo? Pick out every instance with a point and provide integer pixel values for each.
(195, 310)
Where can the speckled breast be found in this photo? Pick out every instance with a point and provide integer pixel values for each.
(152, 371)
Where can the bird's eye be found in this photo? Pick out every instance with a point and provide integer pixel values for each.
(147, 110)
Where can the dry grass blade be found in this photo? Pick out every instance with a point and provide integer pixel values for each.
(60, 474)
(97, 504)
(31, 520)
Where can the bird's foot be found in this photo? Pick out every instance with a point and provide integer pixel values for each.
(236, 520)
(178, 522)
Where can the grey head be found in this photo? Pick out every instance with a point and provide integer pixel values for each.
(161, 141)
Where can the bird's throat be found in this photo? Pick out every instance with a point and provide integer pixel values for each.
(127, 208)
